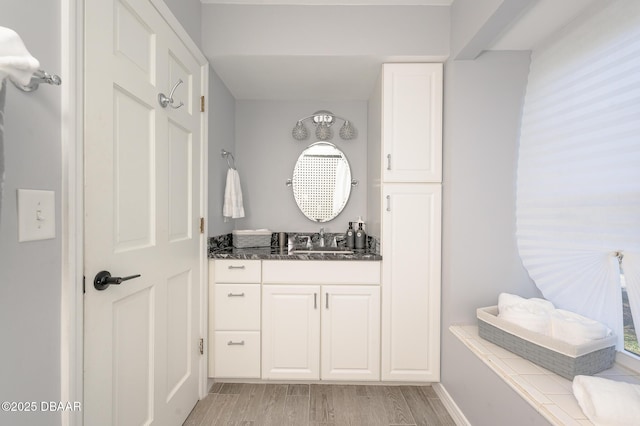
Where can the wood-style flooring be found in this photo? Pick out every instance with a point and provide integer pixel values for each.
(244, 404)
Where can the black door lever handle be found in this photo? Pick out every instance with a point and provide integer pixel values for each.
(104, 279)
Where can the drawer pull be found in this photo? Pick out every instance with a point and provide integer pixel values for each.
(326, 300)
(236, 267)
(315, 300)
(236, 294)
(232, 343)
(388, 161)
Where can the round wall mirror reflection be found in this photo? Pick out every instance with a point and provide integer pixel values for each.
(321, 181)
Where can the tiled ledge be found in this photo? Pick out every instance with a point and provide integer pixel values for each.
(551, 395)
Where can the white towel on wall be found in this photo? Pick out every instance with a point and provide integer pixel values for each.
(233, 207)
(15, 60)
(607, 402)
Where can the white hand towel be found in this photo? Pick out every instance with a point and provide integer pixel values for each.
(532, 314)
(15, 60)
(576, 329)
(507, 299)
(607, 402)
(233, 207)
(529, 316)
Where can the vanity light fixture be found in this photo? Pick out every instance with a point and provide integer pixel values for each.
(323, 120)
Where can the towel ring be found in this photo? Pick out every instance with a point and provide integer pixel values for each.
(226, 154)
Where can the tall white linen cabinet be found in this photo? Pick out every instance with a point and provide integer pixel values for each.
(404, 209)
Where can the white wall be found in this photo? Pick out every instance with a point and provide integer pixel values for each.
(483, 105)
(476, 24)
(189, 14)
(470, 16)
(30, 272)
(222, 135)
(266, 154)
(324, 30)
(30, 284)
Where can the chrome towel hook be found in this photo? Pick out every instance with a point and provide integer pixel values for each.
(164, 100)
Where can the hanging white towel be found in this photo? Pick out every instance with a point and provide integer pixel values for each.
(607, 402)
(233, 207)
(15, 60)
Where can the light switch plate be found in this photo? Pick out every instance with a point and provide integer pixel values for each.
(36, 215)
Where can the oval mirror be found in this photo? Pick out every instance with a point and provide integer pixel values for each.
(321, 181)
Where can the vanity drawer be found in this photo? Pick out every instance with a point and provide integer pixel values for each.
(237, 271)
(237, 354)
(236, 307)
(321, 272)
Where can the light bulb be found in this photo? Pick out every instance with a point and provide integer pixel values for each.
(323, 132)
(347, 131)
(299, 132)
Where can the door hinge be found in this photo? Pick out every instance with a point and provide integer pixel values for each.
(202, 103)
(202, 225)
(201, 346)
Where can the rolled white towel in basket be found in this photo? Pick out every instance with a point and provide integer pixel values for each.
(607, 402)
(576, 329)
(532, 314)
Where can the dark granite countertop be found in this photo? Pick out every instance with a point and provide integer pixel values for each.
(222, 248)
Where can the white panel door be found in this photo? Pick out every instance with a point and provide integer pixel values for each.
(142, 204)
(412, 122)
(411, 256)
(291, 332)
(350, 333)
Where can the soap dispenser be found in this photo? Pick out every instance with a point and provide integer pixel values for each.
(351, 237)
(360, 237)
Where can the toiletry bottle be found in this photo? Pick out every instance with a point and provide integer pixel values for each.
(360, 237)
(351, 237)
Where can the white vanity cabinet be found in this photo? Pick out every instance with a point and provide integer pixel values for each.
(350, 333)
(404, 172)
(411, 282)
(321, 320)
(234, 320)
(412, 122)
(291, 337)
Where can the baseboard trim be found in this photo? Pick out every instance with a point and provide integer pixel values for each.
(453, 409)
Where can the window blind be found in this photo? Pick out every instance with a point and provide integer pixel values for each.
(578, 180)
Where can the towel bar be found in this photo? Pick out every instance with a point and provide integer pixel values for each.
(40, 76)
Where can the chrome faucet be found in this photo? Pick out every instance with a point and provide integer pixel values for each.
(308, 243)
(321, 242)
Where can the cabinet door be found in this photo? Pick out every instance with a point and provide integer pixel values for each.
(291, 332)
(350, 333)
(412, 122)
(411, 223)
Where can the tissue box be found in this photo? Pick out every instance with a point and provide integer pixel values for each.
(251, 238)
(555, 355)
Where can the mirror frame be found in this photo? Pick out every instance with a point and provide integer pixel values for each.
(310, 193)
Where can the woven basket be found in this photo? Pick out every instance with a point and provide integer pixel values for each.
(251, 238)
(557, 356)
